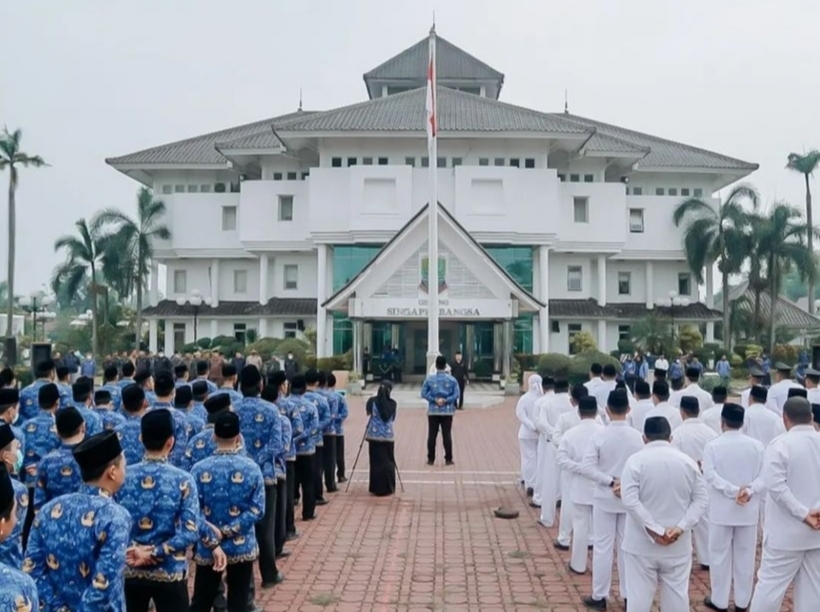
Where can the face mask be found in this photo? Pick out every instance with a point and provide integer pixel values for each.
(16, 418)
(18, 463)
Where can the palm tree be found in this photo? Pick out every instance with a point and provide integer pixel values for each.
(82, 259)
(806, 164)
(12, 157)
(130, 247)
(757, 279)
(718, 235)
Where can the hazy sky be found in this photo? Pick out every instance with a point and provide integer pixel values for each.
(87, 79)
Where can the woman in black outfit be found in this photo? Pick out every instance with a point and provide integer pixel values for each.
(382, 412)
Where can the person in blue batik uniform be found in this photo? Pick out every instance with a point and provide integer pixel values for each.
(110, 385)
(339, 426)
(181, 375)
(202, 368)
(229, 375)
(9, 412)
(82, 391)
(18, 592)
(62, 376)
(163, 504)
(11, 458)
(380, 439)
(329, 435)
(145, 379)
(58, 473)
(29, 404)
(134, 406)
(441, 392)
(231, 492)
(200, 391)
(104, 408)
(277, 382)
(77, 549)
(164, 389)
(261, 430)
(203, 444)
(128, 372)
(323, 411)
(305, 444)
(271, 394)
(184, 402)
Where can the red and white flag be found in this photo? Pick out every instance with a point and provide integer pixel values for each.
(432, 126)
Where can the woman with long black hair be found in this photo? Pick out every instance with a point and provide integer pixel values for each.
(382, 412)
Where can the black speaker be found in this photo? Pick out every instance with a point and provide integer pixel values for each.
(300, 325)
(815, 357)
(10, 351)
(40, 352)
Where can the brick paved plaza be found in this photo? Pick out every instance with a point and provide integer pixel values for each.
(437, 546)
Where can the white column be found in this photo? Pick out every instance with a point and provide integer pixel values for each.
(602, 280)
(263, 280)
(357, 345)
(710, 291)
(153, 292)
(214, 328)
(169, 337)
(650, 286)
(321, 296)
(710, 331)
(263, 327)
(214, 284)
(153, 329)
(544, 296)
(602, 336)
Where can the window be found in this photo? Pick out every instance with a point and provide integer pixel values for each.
(624, 283)
(336, 162)
(636, 220)
(291, 176)
(562, 177)
(240, 281)
(179, 336)
(684, 191)
(441, 162)
(352, 161)
(684, 283)
(580, 207)
(291, 276)
(529, 162)
(166, 189)
(228, 218)
(573, 329)
(624, 333)
(286, 208)
(291, 327)
(239, 330)
(205, 189)
(483, 161)
(588, 178)
(305, 175)
(277, 176)
(574, 278)
(659, 191)
(180, 281)
(673, 191)
(367, 161)
(574, 178)
(698, 193)
(498, 161)
(193, 188)
(425, 162)
(410, 161)
(456, 161)
(179, 188)
(637, 191)
(382, 161)
(515, 162)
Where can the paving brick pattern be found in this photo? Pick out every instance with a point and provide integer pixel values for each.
(437, 546)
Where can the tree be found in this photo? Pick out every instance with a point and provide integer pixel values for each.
(717, 235)
(651, 335)
(82, 258)
(130, 246)
(12, 157)
(806, 164)
(757, 278)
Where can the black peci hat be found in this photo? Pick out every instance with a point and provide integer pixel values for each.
(97, 451)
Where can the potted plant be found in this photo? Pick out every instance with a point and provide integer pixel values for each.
(355, 385)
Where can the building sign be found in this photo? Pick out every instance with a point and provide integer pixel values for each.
(405, 309)
(424, 273)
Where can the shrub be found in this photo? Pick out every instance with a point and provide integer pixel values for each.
(580, 364)
(625, 346)
(553, 364)
(328, 364)
(266, 347)
(189, 348)
(583, 342)
(528, 361)
(689, 338)
(704, 355)
(204, 343)
(515, 371)
(748, 350)
(299, 348)
(708, 383)
(222, 341)
(483, 368)
(735, 360)
(24, 376)
(787, 353)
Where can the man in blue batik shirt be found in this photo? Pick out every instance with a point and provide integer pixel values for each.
(58, 473)
(184, 402)
(62, 376)
(441, 392)
(229, 375)
(128, 371)
(11, 548)
(323, 411)
(305, 445)
(164, 390)
(110, 385)
(104, 408)
(339, 425)
(81, 392)
(199, 389)
(277, 382)
(29, 405)
(329, 435)
(181, 375)
(134, 407)
(17, 591)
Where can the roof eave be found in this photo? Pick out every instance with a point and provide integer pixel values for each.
(130, 166)
(740, 171)
(443, 134)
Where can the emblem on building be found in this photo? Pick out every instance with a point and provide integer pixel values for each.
(424, 273)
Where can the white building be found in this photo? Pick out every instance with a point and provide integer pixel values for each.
(550, 223)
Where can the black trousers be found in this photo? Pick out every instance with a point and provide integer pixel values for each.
(29, 519)
(461, 385)
(265, 531)
(206, 584)
(318, 464)
(306, 483)
(290, 502)
(445, 422)
(280, 532)
(329, 462)
(167, 596)
(340, 457)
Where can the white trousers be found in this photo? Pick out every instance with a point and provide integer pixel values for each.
(732, 556)
(567, 514)
(701, 539)
(528, 453)
(608, 530)
(777, 570)
(548, 474)
(646, 572)
(581, 527)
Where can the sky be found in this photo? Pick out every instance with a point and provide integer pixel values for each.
(90, 79)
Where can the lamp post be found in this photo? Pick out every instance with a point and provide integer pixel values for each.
(38, 302)
(671, 302)
(195, 300)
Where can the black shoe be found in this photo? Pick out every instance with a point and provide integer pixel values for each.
(560, 546)
(291, 536)
(449, 463)
(252, 607)
(530, 492)
(278, 579)
(575, 571)
(321, 502)
(705, 568)
(558, 504)
(708, 603)
(341, 479)
(534, 505)
(595, 604)
(430, 462)
(746, 609)
(309, 518)
(333, 490)
(283, 553)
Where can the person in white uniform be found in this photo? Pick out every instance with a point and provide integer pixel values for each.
(675, 391)
(712, 416)
(527, 435)
(812, 385)
(560, 404)
(759, 422)
(756, 377)
(643, 404)
(660, 397)
(779, 391)
(603, 464)
(733, 471)
(595, 372)
(573, 447)
(606, 386)
(791, 528)
(691, 438)
(661, 364)
(543, 454)
(693, 389)
(665, 496)
(568, 420)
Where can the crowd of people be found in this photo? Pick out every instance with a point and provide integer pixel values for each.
(106, 493)
(644, 477)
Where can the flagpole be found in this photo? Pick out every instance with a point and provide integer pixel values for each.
(432, 211)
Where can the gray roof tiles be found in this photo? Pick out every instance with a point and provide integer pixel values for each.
(590, 309)
(274, 307)
(788, 313)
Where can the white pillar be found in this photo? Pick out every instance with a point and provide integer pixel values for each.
(153, 332)
(153, 292)
(602, 336)
(602, 280)
(650, 286)
(169, 337)
(544, 296)
(710, 331)
(263, 280)
(263, 327)
(321, 293)
(710, 291)
(214, 328)
(214, 283)
(357, 345)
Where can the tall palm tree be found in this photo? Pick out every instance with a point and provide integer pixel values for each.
(12, 157)
(783, 245)
(131, 243)
(757, 277)
(82, 260)
(718, 235)
(806, 164)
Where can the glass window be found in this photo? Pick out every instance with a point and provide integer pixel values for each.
(517, 261)
(575, 278)
(483, 161)
(698, 192)
(637, 191)
(456, 161)
(286, 208)
(166, 189)
(659, 191)
(291, 327)
(193, 188)
(336, 162)
(624, 333)
(522, 333)
(529, 162)
(277, 176)
(684, 283)
(685, 191)
(636, 220)
(515, 162)
(352, 161)
(205, 189)
(589, 178)
(624, 282)
(342, 334)
(240, 281)
(441, 162)
(291, 276)
(179, 188)
(179, 336)
(425, 162)
(367, 161)
(580, 207)
(291, 176)
(673, 191)
(239, 331)
(498, 161)
(573, 329)
(574, 178)
(349, 260)
(228, 218)
(180, 281)
(410, 161)
(382, 161)
(562, 177)
(305, 175)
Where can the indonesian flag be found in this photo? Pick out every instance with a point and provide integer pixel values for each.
(432, 128)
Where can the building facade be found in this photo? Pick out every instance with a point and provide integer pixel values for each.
(550, 223)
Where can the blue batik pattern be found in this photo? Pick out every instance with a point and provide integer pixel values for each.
(163, 504)
(181, 383)
(131, 439)
(341, 414)
(116, 394)
(235, 396)
(122, 383)
(212, 388)
(41, 439)
(30, 399)
(58, 474)
(199, 411)
(203, 445)
(19, 435)
(18, 593)
(232, 498)
(290, 409)
(305, 443)
(76, 553)
(195, 423)
(66, 396)
(322, 414)
(377, 428)
(262, 431)
(282, 457)
(181, 433)
(333, 404)
(93, 422)
(440, 386)
(110, 420)
(11, 549)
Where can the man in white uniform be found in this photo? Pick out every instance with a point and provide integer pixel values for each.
(660, 397)
(595, 371)
(791, 529)
(665, 496)
(691, 438)
(693, 389)
(756, 377)
(607, 385)
(568, 420)
(573, 447)
(813, 385)
(603, 464)
(643, 404)
(527, 435)
(543, 453)
(779, 391)
(733, 470)
(661, 364)
(676, 391)
(712, 416)
(759, 422)
(560, 404)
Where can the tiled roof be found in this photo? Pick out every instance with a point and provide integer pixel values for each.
(589, 309)
(664, 153)
(457, 112)
(609, 144)
(788, 313)
(451, 63)
(275, 307)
